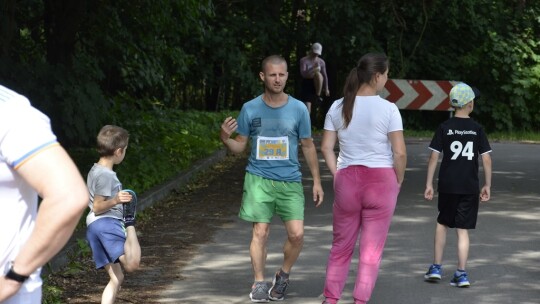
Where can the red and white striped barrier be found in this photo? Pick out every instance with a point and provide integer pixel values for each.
(431, 95)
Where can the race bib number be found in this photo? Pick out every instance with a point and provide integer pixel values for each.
(273, 148)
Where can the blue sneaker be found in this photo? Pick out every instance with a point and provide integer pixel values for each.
(434, 273)
(460, 281)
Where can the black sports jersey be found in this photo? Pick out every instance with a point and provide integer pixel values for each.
(461, 140)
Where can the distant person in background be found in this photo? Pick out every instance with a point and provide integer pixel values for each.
(276, 125)
(111, 220)
(368, 174)
(32, 163)
(314, 78)
(462, 141)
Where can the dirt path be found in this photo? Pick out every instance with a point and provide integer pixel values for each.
(169, 232)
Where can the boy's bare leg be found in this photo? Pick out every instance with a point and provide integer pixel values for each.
(440, 242)
(463, 247)
(318, 82)
(116, 278)
(293, 245)
(132, 250)
(258, 250)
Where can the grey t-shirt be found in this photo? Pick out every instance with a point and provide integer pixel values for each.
(102, 181)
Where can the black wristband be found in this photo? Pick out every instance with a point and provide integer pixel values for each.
(12, 275)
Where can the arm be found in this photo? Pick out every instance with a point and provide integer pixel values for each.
(57, 180)
(102, 204)
(325, 78)
(485, 193)
(236, 145)
(400, 154)
(432, 165)
(327, 148)
(310, 153)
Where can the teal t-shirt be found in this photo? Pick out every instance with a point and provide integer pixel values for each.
(274, 134)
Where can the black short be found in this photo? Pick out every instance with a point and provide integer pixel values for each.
(307, 93)
(458, 210)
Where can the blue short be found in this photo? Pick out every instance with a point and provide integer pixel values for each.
(107, 237)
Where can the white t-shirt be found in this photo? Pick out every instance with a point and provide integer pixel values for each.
(24, 132)
(365, 141)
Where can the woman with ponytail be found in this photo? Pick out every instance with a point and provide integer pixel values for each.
(368, 173)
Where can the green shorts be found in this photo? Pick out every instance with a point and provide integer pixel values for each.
(264, 197)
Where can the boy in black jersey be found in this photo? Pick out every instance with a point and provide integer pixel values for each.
(462, 141)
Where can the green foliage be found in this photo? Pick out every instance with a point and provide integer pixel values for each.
(162, 144)
(76, 264)
(75, 102)
(51, 294)
(76, 258)
(205, 55)
(521, 136)
(518, 71)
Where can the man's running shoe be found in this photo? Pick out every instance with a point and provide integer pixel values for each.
(130, 209)
(259, 292)
(434, 273)
(279, 287)
(461, 280)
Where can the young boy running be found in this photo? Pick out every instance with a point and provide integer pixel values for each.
(111, 220)
(461, 140)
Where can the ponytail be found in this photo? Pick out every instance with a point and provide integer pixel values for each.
(368, 66)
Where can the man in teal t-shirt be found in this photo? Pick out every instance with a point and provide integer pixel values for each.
(274, 123)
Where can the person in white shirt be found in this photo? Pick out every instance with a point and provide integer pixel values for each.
(368, 174)
(32, 163)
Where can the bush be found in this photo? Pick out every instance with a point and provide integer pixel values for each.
(162, 144)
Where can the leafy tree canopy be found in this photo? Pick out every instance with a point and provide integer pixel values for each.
(86, 63)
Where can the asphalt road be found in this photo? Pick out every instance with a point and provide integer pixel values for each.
(504, 260)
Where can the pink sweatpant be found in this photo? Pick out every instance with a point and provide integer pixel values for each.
(364, 202)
